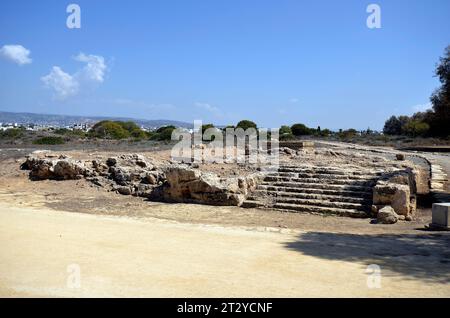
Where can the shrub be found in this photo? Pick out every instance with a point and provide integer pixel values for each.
(116, 130)
(245, 124)
(349, 133)
(415, 128)
(12, 133)
(300, 130)
(285, 130)
(49, 140)
(325, 132)
(163, 133)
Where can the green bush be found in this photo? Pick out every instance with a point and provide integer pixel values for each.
(416, 128)
(12, 133)
(347, 134)
(117, 130)
(300, 130)
(71, 133)
(246, 124)
(49, 140)
(163, 133)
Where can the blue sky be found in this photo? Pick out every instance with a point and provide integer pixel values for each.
(274, 62)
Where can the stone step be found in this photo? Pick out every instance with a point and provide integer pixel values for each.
(325, 186)
(307, 208)
(331, 192)
(312, 196)
(326, 176)
(326, 170)
(320, 181)
(316, 203)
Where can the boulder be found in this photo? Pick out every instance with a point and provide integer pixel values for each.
(387, 215)
(393, 194)
(59, 169)
(124, 190)
(111, 162)
(188, 185)
(69, 169)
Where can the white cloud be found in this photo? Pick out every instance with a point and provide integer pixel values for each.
(63, 84)
(66, 85)
(293, 100)
(421, 107)
(95, 67)
(16, 53)
(208, 107)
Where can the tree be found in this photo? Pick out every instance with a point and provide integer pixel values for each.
(285, 130)
(440, 99)
(245, 124)
(392, 126)
(163, 133)
(109, 130)
(415, 128)
(300, 130)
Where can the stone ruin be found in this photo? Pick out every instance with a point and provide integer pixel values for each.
(329, 181)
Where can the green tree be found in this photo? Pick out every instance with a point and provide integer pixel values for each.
(285, 130)
(440, 99)
(300, 130)
(109, 130)
(416, 128)
(245, 124)
(392, 126)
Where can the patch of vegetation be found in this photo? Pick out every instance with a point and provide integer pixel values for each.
(70, 133)
(12, 133)
(301, 130)
(163, 133)
(246, 124)
(434, 122)
(49, 140)
(285, 133)
(108, 129)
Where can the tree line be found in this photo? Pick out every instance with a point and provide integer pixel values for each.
(434, 122)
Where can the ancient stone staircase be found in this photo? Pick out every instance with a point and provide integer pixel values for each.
(323, 190)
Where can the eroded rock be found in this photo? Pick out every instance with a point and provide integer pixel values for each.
(387, 215)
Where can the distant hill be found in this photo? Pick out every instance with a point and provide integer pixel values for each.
(68, 120)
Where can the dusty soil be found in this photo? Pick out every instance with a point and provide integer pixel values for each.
(83, 197)
(44, 250)
(126, 246)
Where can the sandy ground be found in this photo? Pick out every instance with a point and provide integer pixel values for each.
(126, 246)
(118, 256)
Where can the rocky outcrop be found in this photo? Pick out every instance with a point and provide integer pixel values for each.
(188, 185)
(136, 175)
(397, 189)
(62, 168)
(387, 215)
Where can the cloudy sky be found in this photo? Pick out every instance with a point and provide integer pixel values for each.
(275, 62)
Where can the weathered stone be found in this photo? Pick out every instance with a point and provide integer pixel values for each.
(387, 215)
(68, 169)
(111, 162)
(395, 195)
(187, 185)
(124, 190)
(441, 215)
(400, 156)
(150, 178)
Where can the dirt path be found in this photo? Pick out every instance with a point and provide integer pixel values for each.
(120, 256)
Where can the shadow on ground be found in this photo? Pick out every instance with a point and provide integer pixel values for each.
(425, 257)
